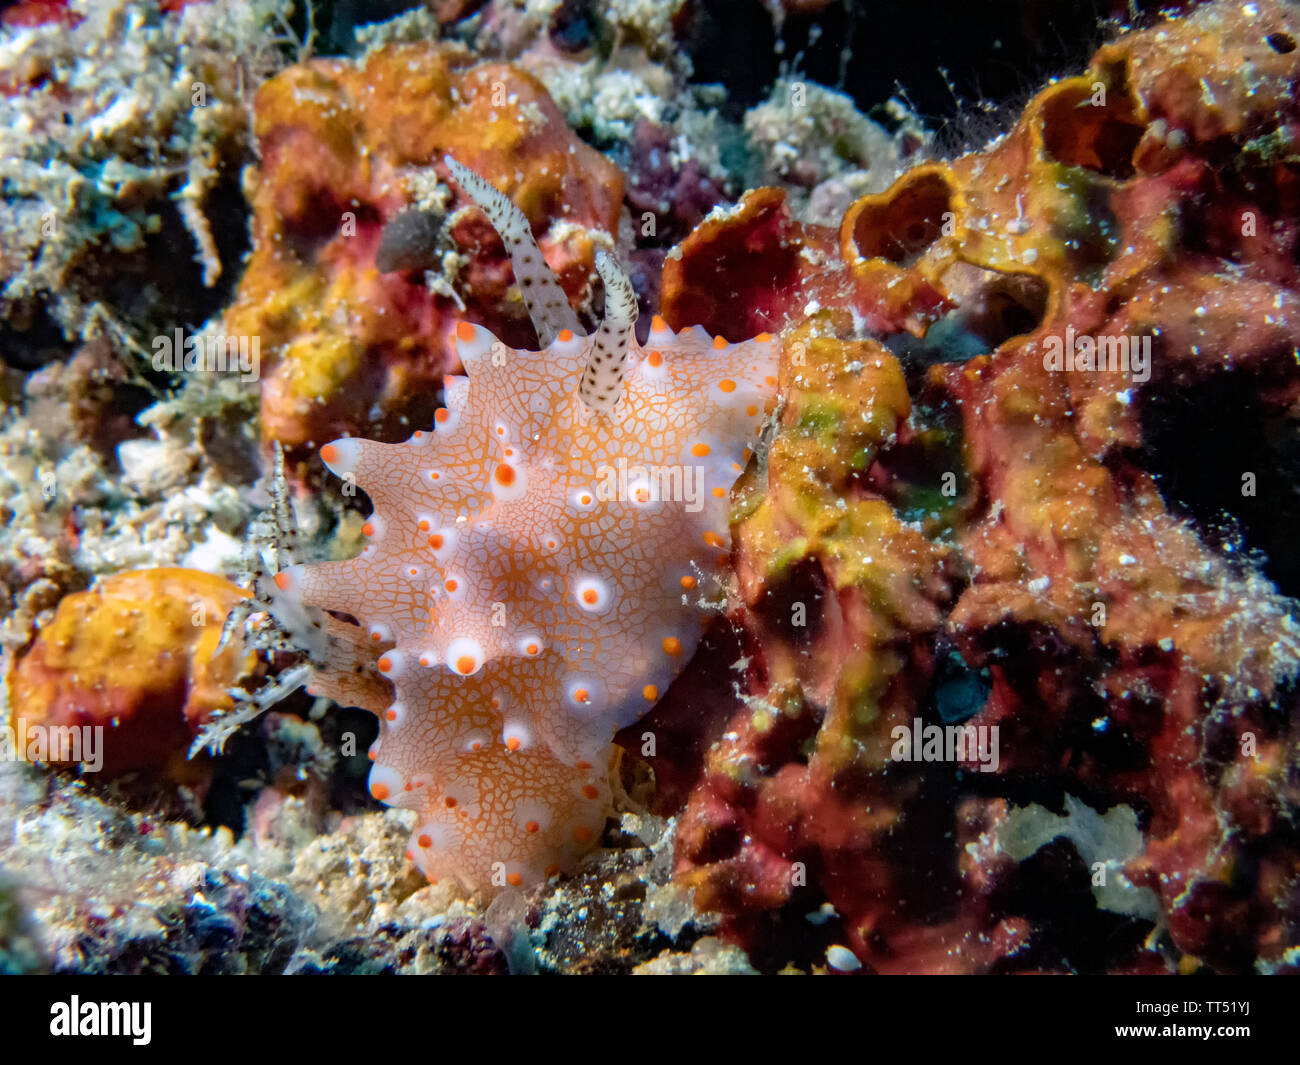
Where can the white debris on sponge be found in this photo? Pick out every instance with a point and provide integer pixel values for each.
(1111, 839)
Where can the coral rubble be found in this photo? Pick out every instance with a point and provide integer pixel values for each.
(121, 172)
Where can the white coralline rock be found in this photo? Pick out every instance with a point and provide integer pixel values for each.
(150, 467)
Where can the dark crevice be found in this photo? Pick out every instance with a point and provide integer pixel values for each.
(991, 52)
(1227, 462)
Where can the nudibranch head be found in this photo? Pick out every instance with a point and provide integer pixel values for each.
(528, 583)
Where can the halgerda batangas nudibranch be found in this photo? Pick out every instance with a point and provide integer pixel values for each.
(527, 585)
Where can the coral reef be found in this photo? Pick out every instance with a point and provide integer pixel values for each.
(1001, 672)
(1122, 656)
(362, 262)
(95, 888)
(350, 181)
(815, 142)
(125, 128)
(122, 210)
(89, 487)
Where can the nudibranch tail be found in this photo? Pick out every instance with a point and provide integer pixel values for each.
(602, 380)
(548, 306)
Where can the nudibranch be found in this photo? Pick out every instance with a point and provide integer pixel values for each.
(533, 569)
